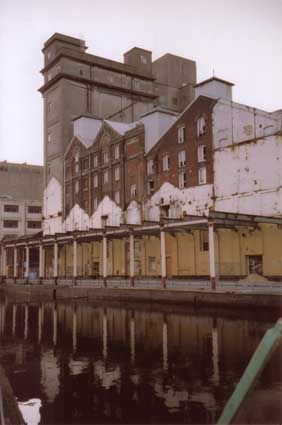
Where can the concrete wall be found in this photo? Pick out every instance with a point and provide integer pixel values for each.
(248, 177)
(215, 89)
(234, 123)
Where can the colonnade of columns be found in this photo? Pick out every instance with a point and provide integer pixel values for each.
(163, 258)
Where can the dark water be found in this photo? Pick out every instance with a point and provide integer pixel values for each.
(134, 364)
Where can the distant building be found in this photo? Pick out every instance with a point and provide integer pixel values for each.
(20, 199)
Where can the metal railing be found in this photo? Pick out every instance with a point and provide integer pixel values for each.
(268, 344)
(2, 418)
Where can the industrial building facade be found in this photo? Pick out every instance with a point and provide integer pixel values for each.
(20, 199)
(190, 191)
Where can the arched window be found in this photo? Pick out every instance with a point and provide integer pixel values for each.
(201, 126)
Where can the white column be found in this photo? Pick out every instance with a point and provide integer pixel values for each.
(25, 321)
(163, 258)
(131, 258)
(212, 255)
(26, 261)
(74, 258)
(15, 262)
(41, 261)
(55, 263)
(105, 335)
(165, 349)
(105, 259)
(74, 330)
(132, 338)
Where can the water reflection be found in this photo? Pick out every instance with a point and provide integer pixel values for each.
(89, 364)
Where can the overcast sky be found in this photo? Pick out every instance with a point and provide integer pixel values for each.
(240, 39)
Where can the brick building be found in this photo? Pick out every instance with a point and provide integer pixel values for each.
(77, 83)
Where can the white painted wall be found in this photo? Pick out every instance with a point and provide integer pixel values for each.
(248, 177)
(192, 201)
(215, 89)
(52, 207)
(234, 123)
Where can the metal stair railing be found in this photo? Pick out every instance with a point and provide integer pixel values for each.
(268, 344)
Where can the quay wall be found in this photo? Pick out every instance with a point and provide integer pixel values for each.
(197, 298)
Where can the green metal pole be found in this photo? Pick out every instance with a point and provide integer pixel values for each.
(261, 356)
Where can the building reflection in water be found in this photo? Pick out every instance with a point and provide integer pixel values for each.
(132, 338)
(74, 330)
(116, 364)
(165, 349)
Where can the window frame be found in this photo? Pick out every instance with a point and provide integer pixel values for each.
(106, 180)
(202, 153)
(181, 162)
(150, 167)
(133, 191)
(199, 173)
(117, 174)
(11, 206)
(165, 162)
(117, 195)
(95, 181)
(182, 180)
(201, 126)
(116, 152)
(181, 134)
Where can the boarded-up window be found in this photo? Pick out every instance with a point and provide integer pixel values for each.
(204, 240)
(152, 264)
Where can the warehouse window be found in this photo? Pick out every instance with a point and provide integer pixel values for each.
(181, 134)
(34, 209)
(166, 163)
(150, 167)
(133, 191)
(151, 187)
(95, 203)
(105, 157)
(34, 224)
(117, 197)
(202, 153)
(182, 180)
(106, 177)
(181, 158)
(95, 161)
(11, 208)
(204, 240)
(116, 152)
(202, 175)
(10, 224)
(201, 127)
(152, 264)
(117, 174)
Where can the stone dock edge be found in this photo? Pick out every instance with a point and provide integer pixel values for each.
(197, 298)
